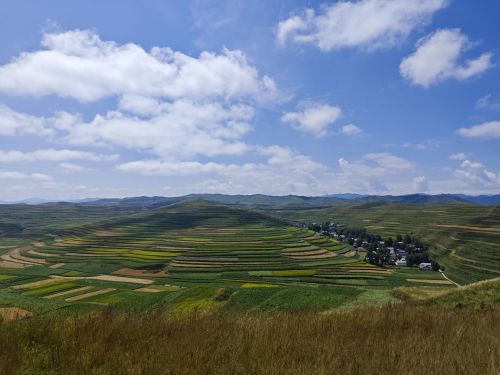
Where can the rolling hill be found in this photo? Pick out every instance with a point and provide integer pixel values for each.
(465, 239)
(187, 255)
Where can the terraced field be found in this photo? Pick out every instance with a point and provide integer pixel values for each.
(464, 238)
(192, 255)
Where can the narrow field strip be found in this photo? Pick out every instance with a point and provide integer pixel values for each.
(148, 290)
(430, 281)
(36, 284)
(34, 252)
(88, 295)
(118, 279)
(57, 265)
(66, 292)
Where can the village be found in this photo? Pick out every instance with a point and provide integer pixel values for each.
(404, 250)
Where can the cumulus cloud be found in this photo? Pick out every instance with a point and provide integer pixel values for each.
(183, 129)
(488, 130)
(438, 57)
(389, 161)
(278, 157)
(376, 173)
(368, 24)
(14, 175)
(476, 175)
(314, 118)
(52, 155)
(13, 123)
(458, 156)
(283, 172)
(420, 184)
(77, 64)
(351, 130)
(71, 167)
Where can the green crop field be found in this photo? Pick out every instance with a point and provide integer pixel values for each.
(465, 239)
(189, 256)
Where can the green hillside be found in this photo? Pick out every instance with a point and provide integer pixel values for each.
(464, 238)
(193, 255)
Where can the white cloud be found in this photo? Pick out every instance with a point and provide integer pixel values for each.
(389, 161)
(14, 175)
(279, 157)
(293, 25)
(140, 105)
(369, 24)
(314, 118)
(376, 173)
(175, 167)
(488, 130)
(52, 155)
(71, 167)
(420, 184)
(78, 64)
(14, 123)
(458, 156)
(351, 130)
(488, 102)
(284, 172)
(476, 175)
(183, 129)
(438, 57)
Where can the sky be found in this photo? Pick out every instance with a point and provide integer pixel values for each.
(125, 98)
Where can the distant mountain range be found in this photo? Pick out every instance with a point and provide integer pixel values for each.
(290, 202)
(262, 201)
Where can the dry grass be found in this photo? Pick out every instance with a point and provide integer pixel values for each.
(14, 313)
(398, 339)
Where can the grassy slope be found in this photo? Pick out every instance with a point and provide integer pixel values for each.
(464, 238)
(29, 220)
(402, 339)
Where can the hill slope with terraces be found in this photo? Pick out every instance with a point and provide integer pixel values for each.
(193, 255)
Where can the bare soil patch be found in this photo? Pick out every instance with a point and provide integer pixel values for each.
(15, 256)
(66, 292)
(139, 272)
(328, 254)
(57, 265)
(429, 281)
(196, 265)
(14, 313)
(90, 255)
(8, 264)
(40, 254)
(118, 279)
(88, 295)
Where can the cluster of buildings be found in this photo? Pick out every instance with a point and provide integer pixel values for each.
(391, 251)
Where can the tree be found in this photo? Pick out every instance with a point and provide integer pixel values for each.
(389, 241)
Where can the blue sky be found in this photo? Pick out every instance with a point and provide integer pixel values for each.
(310, 98)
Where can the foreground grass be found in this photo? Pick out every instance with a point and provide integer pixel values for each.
(397, 339)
